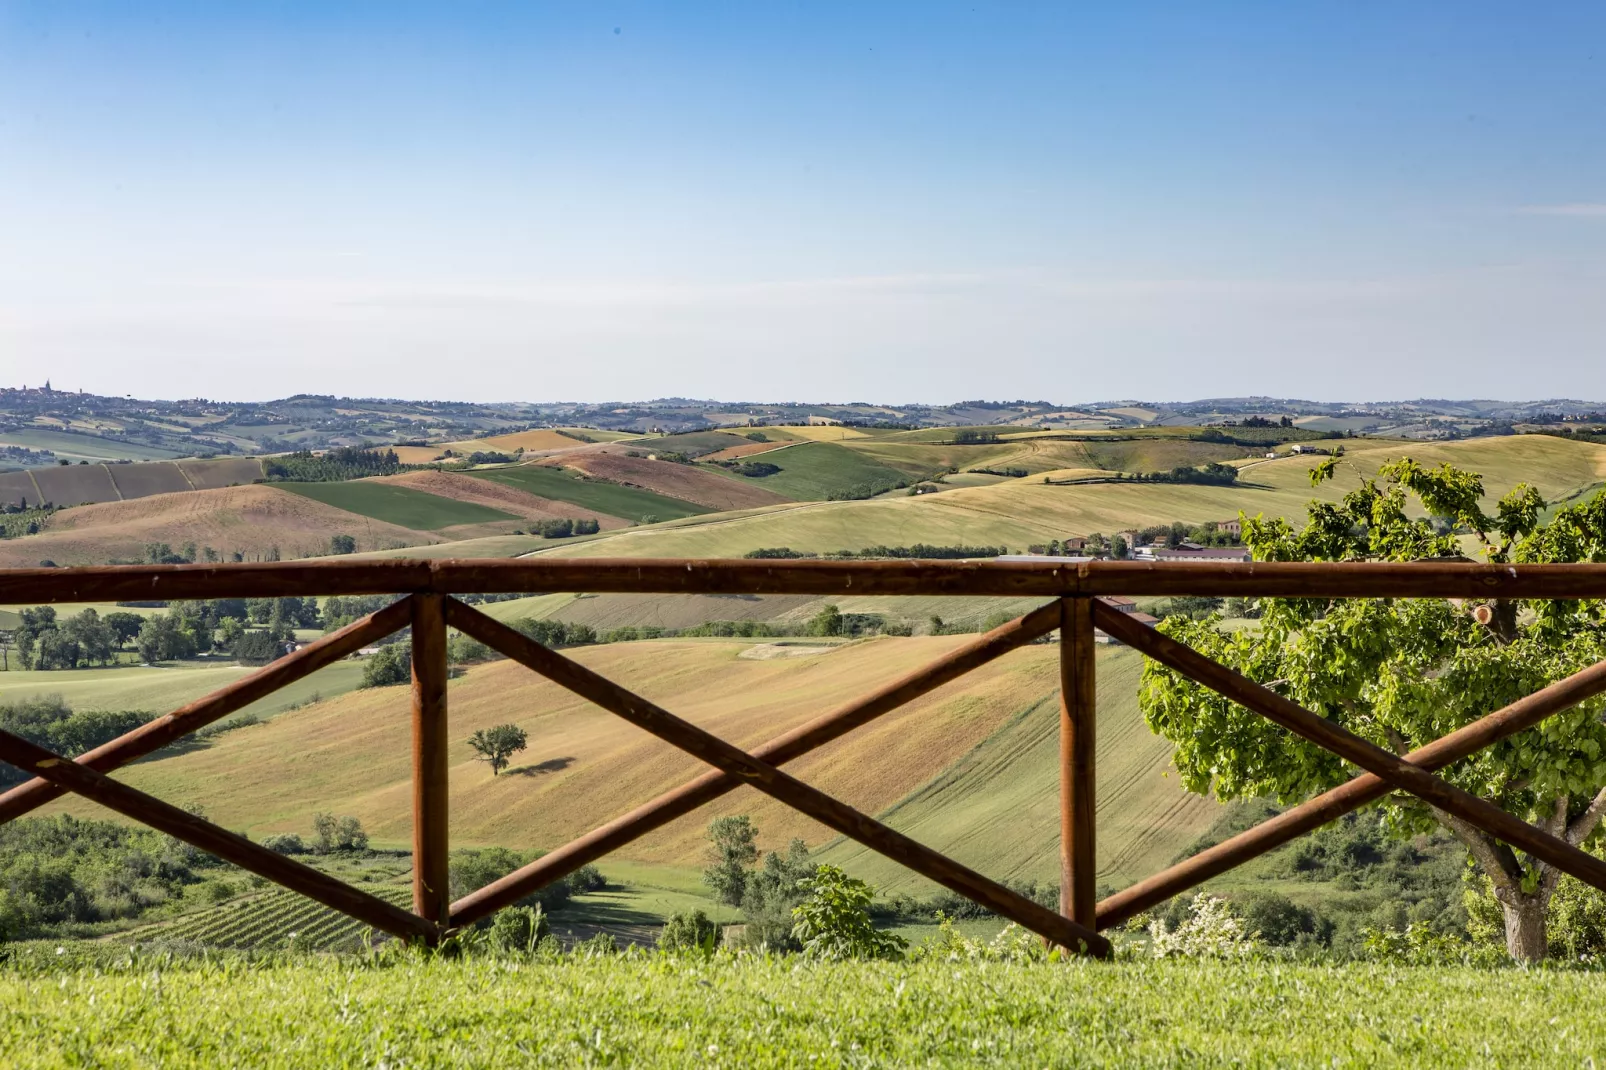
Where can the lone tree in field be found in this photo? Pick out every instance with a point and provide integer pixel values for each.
(1404, 672)
(497, 745)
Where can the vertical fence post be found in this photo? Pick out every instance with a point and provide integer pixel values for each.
(1077, 715)
(431, 894)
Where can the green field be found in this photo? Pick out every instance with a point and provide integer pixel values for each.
(751, 1012)
(74, 445)
(629, 503)
(158, 690)
(398, 505)
(813, 471)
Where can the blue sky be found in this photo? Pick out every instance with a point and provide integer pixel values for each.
(904, 202)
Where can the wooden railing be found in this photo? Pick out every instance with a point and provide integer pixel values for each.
(1075, 612)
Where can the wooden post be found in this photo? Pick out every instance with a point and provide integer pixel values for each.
(431, 886)
(1078, 865)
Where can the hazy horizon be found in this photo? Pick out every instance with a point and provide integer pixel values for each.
(248, 202)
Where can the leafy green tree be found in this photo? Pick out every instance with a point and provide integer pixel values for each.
(342, 544)
(773, 889)
(162, 639)
(497, 744)
(390, 666)
(733, 848)
(1401, 673)
(827, 621)
(833, 922)
(124, 625)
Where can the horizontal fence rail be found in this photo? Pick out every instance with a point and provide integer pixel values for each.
(1259, 579)
(1074, 611)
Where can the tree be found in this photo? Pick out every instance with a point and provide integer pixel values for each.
(496, 745)
(162, 639)
(690, 931)
(124, 625)
(827, 621)
(1401, 673)
(733, 850)
(342, 544)
(391, 665)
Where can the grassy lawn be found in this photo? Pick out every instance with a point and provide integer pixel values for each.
(397, 505)
(653, 1011)
(630, 503)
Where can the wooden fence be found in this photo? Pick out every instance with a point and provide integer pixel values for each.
(1074, 612)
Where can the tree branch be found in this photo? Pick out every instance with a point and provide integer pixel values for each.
(1498, 860)
(1579, 830)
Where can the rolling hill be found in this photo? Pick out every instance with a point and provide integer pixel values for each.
(938, 756)
(1017, 512)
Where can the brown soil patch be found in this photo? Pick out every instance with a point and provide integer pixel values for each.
(497, 496)
(736, 453)
(675, 480)
(249, 519)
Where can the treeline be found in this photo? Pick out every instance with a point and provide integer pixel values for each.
(333, 466)
(254, 630)
(49, 722)
(564, 528)
(919, 551)
(1212, 474)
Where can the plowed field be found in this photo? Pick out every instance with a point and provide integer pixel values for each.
(675, 480)
(498, 496)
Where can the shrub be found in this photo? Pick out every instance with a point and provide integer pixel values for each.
(597, 946)
(689, 932)
(833, 922)
(587, 878)
(519, 930)
(588, 526)
(776, 552)
(555, 529)
(1211, 930)
(286, 843)
(757, 469)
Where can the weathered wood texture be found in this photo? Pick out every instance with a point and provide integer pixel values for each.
(773, 782)
(778, 751)
(156, 734)
(1428, 579)
(227, 845)
(431, 850)
(1397, 771)
(1331, 805)
(1078, 717)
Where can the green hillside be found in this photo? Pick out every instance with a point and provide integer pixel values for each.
(614, 499)
(398, 505)
(815, 471)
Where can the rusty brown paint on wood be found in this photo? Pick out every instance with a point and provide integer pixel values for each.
(1428, 579)
(1078, 713)
(1397, 771)
(773, 782)
(154, 735)
(784, 748)
(197, 831)
(1329, 806)
(431, 884)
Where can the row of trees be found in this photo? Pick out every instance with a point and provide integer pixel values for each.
(253, 630)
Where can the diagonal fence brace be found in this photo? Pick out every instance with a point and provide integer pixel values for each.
(681, 801)
(771, 781)
(154, 735)
(197, 831)
(1389, 767)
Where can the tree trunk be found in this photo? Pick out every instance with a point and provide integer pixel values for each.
(1525, 927)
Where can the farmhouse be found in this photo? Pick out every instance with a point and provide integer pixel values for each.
(1231, 527)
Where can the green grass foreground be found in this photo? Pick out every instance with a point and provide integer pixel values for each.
(659, 1011)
